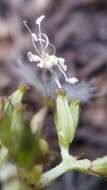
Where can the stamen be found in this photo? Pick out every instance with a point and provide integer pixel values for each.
(47, 44)
(46, 41)
(58, 83)
(25, 23)
(34, 37)
(42, 53)
(53, 48)
(62, 72)
(56, 79)
(33, 41)
(61, 62)
(72, 80)
(39, 20)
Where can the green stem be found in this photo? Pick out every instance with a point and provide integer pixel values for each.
(66, 165)
(64, 153)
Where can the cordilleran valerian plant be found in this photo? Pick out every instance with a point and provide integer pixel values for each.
(23, 151)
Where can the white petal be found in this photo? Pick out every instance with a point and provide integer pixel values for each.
(72, 80)
(52, 59)
(41, 65)
(39, 20)
(32, 57)
(61, 60)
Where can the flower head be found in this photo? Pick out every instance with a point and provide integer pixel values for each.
(43, 58)
(45, 85)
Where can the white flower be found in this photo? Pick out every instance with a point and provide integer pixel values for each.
(43, 58)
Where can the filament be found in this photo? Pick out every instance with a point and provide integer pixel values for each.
(48, 43)
(25, 23)
(40, 38)
(55, 77)
(62, 72)
(33, 41)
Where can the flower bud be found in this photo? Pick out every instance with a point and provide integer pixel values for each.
(31, 177)
(64, 121)
(37, 121)
(17, 96)
(5, 122)
(6, 114)
(75, 111)
(28, 149)
(22, 149)
(99, 167)
(3, 155)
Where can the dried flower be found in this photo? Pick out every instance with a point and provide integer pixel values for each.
(43, 58)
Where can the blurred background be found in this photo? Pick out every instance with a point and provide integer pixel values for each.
(78, 29)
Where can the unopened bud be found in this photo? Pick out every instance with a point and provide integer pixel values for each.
(75, 111)
(64, 121)
(6, 114)
(17, 96)
(22, 138)
(99, 167)
(37, 121)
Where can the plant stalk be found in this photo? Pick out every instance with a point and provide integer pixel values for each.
(66, 165)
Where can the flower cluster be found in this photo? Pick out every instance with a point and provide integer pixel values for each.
(43, 58)
(48, 83)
